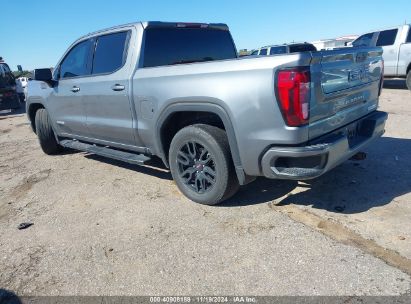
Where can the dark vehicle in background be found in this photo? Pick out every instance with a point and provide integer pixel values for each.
(284, 49)
(8, 95)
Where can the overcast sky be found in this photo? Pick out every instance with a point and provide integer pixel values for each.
(36, 33)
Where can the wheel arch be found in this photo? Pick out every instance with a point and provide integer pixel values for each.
(213, 109)
(31, 113)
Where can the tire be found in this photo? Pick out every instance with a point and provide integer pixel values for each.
(201, 164)
(46, 134)
(408, 80)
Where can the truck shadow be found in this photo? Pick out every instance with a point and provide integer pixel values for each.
(395, 84)
(9, 297)
(154, 167)
(353, 187)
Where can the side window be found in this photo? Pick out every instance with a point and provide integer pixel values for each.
(387, 37)
(263, 52)
(409, 36)
(254, 53)
(76, 63)
(364, 40)
(110, 53)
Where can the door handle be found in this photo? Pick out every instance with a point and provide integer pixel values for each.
(118, 87)
(75, 89)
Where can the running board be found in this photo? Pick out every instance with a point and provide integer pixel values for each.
(132, 158)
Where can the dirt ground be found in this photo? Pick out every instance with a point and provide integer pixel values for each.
(102, 227)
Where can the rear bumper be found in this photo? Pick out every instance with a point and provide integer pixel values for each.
(324, 153)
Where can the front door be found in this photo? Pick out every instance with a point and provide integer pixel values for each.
(65, 102)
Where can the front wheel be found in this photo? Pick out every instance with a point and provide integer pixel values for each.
(408, 80)
(201, 164)
(45, 133)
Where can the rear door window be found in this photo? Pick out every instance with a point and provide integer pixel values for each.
(77, 61)
(169, 46)
(386, 38)
(110, 52)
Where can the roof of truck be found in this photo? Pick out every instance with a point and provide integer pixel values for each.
(150, 24)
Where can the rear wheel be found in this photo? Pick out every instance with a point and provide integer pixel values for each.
(201, 164)
(45, 133)
(409, 80)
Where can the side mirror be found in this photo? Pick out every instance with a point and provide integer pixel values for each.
(44, 75)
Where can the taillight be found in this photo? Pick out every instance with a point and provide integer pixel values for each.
(293, 94)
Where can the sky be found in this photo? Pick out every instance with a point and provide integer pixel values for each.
(35, 34)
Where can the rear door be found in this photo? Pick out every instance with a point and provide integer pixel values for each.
(106, 93)
(345, 84)
(387, 40)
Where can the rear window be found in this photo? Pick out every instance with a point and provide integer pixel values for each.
(306, 47)
(387, 37)
(6, 77)
(168, 46)
(278, 50)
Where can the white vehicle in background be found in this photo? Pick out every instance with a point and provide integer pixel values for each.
(21, 87)
(396, 43)
(284, 49)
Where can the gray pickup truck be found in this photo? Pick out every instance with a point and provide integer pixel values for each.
(179, 92)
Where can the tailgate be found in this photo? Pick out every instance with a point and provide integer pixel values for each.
(345, 87)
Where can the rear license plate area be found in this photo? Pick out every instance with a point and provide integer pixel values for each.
(358, 132)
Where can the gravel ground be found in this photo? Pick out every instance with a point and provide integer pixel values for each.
(103, 227)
